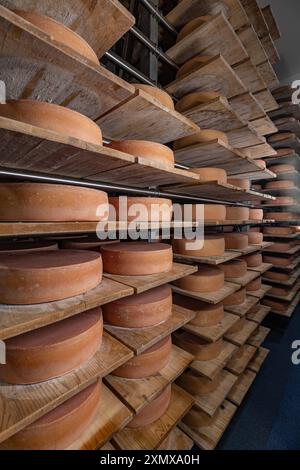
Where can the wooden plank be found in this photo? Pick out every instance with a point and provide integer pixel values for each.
(247, 107)
(288, 124)
(212, 334)
(244, 137)
(260, 315)
(268, 74)
(244, 280)
(207, 437)
(241, 388)
(21, 405)
(242, 309)
(266, 99)
(270, 48)
(214, 260)
(271, 22)
(260, 293)
(258, 151)
(210, 369)
(259, 175)
(258, 360)
(18, 319)
(150, 437)
(214, 75)
(141, 339)
(143, 283)
(241, 337)
(255, 16)
(251, 78)
(258, 336)
(214, 37)
(240, 360)
(107, 446)
(177, 440)
(246, 251)
(262, 268)
(264, 126)
(252, 44)
(34, 66)
(143, 117)
(209, 297)
(291, 295)
(290, 308)
(138, 393)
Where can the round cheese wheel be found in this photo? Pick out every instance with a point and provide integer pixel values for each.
(278, 261)
(281, 247)
(285, 152)
(237, 298)
(255, 238)
(254, 285)
(48, 276)
(195, 99)
(237, 213)
(277, 275)
(157, 93)
(153, 411)
(281, 168)
(197, 385)
(211, 174)
(253, 260)
(280, 291)
(53, 350)
(280, 216)
(141, 310)
(201, 349)
(240, 183)
(90, 244)
(236, 240)
(137, 258)
(234, 269)
(150, 150)
(40, 202)
(278, 230)
(214, 212)
(141, 209)
(53, 117)
(191, 26)
(20, 247)
(281, 136)
(197, 419)
(213, 245)
(191, 65)
(206, 279)
(256, 214)
(203, 136)
(60, 33)
(282, 184)
(62, 426)
(277, 305)
(282, 200)
(147, 363)
(253, 310)
(206, 314)
(237, 327)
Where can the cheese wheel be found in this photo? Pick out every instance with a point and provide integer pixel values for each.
(206, 279)
(234, 269)
(237, 327)
(255, 238)
(153, 411)
(20, 247)
(203, 136)
(160, 95)
(282, 184)
(276, 305)
(278, 230)
(278, 261)
(277, 275)
(237, 213)
(281, 247)
(147, 363)
(240, 183)
(282, 200)
(192, 65)
(211, 174)
(151, 151)
(213, 245)
(280, 291)
(253, 310)
(206, 314)
(201, 349)
(253, 260)
(281, 168)
(141, 310)
(191, 26)
(87, 243)
(60, 33)
(283, 152)
(63, 121)
(256, 214)
(48, 276)
(214, 212)
(40, 202)
(254, 285)
(62, 426)
(197, 98)
(281, 136)
(137, 258)
(140, 209)
(236, 241)
(237, 298)
(280, 216)
(197, 385)
(53, 350)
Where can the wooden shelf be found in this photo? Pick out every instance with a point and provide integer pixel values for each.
(267, 101)
(241, 388)
(111, 416)
(262, 268)
(293, 142)
(244, 280)
(177, 440)
(264, 245)
(271, 22)
(212, 333)
(242, 309)
(268, 74)
(241, 337)
(291, 251)
(253, 81)
(209, 297)
(237, 365)
(150, 437)
(263, 126)
(291, 295)
(244, 137)
(137, 393)
(260, 315)
(21, 405)
(258, 151)
(259, 175)
(18, 319)
(140, 339)
(289, 308)
(252, 44)
(143, 117)
(288, 124)
(143, 283)
(258, 336)
(258, 360)
(255, 16)
(248, 108)
(207, 437)
(210, 369)
(260, 293)
(214, 260)
(293, 279)
(246, 251)
(285, 108)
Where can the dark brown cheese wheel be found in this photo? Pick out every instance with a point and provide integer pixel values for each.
(281, 247)
(276, 305)
(149, 150)
(280, 291)
(237, 298)
(206, 279)
(234, 269)
(153, 411)
(207, 314)
(236, 241)
(53, 350)
(197, 385)
(141, 209)
(277, 275)
(254, 285)
(20, 247)
(281, 168)
(201, 349)
(278, 260)
(157, 93)
(282, 200)
(48, 276)
(285, 152)
(212, 245)
(253, 260)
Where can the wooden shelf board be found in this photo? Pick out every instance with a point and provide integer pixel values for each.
(21, 405)
(268, 74)
(244, 137)
(252, 44)
(259, 175)
(140, 339)
(267, 101)
(250, 77)
(210, 369)
(263, 245)
(271, 22)
(137, 393)
(237, 365)
(241, 388)
(242, 309)
(241, 337)
(258, 151)
(264, 126)
(207, 437)
(244, 280)
(143, 117)
(18, 319)
(212, 333)
(143, 283)
(260, 293)
(291, 251)
(214, 260)
(288, 298)
(255, 16)
(275, 237)
(293, 142)
(209, 297)
(270, 48)
(291, 282)
(260, 315)
(262, 268)
(177, 440)
(248, 108)
(258, 336)
(107, 446)
(288, 124)
(150, 437)
(258, 360)
(246, 251)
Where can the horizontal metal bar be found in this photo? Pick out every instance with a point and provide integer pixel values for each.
(128, 68)
(154, 11)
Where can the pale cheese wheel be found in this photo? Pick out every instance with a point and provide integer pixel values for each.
(153, 411)
(151, 151)
(206, 279)
(254, 285)
(278, 169)
(192, 65)
(201, 349)
(137, 258)
(278, 260)
(282, 184)
(197, 98)
(214, 212)
(237, 298)
(237, 213)
(140, 209)
(234, 269)
(240, 183)
(253, 260)
(201, 137)
(211, 174)
(281, 247)
(236, 240)
(280, 216)
(282, 200)
(206, 314)
(255, 238)
(191, 26)
(157, 93)
(256, 214)
(213, 245)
